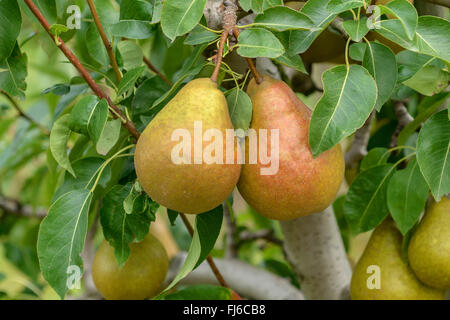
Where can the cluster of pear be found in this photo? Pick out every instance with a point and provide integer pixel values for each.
(302, 185)
(383, 273)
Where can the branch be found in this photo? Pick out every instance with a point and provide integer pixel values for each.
(232, 248)
(444, 3)
(403, 118)
(229, 22)
(13, 206)
(337, 24)
(249, 281)
(22, 113)
(155, 70)
(265, 234)
(314, 247)
(101, 94)
(358, 149)
(84, 73)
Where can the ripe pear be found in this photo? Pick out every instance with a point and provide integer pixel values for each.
(196, 184)
(382, 264)
(429, 248)
(140, 277)
(302, 185)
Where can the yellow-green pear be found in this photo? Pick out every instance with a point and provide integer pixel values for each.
(429, 248)
(181, 157)
(140, 277)
(382, 274)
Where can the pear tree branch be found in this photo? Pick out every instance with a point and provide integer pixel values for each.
(403, 118)
(358, 150)
(106, 42)
(12, 206)
(155, 70)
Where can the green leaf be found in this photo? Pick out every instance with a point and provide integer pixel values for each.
(207, 229)
(135, 10)
(349, 97)
(405, 12)
(257, 42)
(178, 17)
(411, 62)
(200, 35)
(294, 62)
(157, 8)
(95, 46)
(131, 54)
(201, 292)
(13, 72)
(429, 80)
(365, 203)
(428, 106)
(356, 29)
(132, 29)
(357, 51)
(375, 157)
(58, 89)
(433, 148)
(173, 215)
(81, 114)
(48, 9)
(283, 18)
(147, 93)
(380, 61)
(61, 238)
(259, 6)
(10, 23)
(109, 137)
(407, 194)
(59, 136)
(240, 108)
(97, 120)
(129, 79)
(57, 29)
(317, 11)
(338, 6)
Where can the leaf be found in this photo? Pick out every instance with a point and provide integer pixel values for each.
(428, 106)
(380, 61)
(349, 97)
(135, 10)
(156, 13)
(240, 108)
(58, 89)
(411, 62)
(10, 23)
(61, 238)
(375, 157)
(131, 54)
(259, 6)
(129, 79)
(81, 114)
(357, 51)
(59, 136)
(433, 148)
(257, 42)
(429, 80)
(207, 229)
(201, 292)
(365, 203)
(180, 16)
(405, 12)
(200, 35)
(356, 29)
(317, 11)
(97, 120)
(95, 46)
(283, 18)
(147, 93)
(292, 61)
(407, 194)
(132, 29)
(173, 215)
(13, 72)
(109, 137)
(338, 6)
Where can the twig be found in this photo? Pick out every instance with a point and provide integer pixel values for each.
(358, 149)
(231, 251)
(251, 65)
(403, 118)
(266, 234)
(84, 73)
(101, 94)
(444, 3)
(229, 22)
(22, 113)
(108, 46)
(155, 70)
(13, 206)
(337, 24)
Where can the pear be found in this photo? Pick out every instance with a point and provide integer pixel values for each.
(302, 185)
(178, 163)
(381, 273)
(429, 248)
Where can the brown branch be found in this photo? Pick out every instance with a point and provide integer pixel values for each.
(337, 24)
(108, 46)
(209, 259)
(231, 251)
(13, 206)
(84, 73)
(266, 234)
(358, 149)
(22, 113)
(155, 70)
(229, 22)
(444, 3)
(403, 118)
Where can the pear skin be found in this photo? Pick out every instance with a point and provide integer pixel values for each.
(429, 248)
(302, 185)
(396, 279)
(197, 184)
(140, 277)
